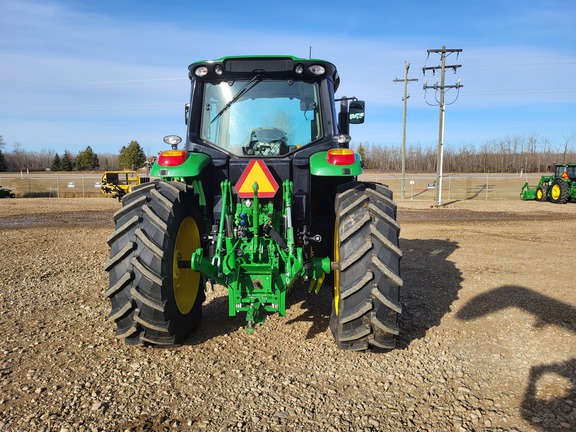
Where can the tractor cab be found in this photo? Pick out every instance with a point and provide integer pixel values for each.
(273, 107)
(280, 110)
(565, 171)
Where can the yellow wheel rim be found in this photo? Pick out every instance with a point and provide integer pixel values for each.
(555, 192)
(336, 272)
(185, 280)
(539, 194)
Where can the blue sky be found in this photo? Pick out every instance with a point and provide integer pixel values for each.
(100, 73)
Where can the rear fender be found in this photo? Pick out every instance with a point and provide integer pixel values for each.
(192, 166)
(168, 169)
(320, 166)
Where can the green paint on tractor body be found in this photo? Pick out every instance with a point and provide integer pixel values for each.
(191, 167)
(320, 166)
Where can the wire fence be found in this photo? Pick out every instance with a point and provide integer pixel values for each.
(416, 186)
(455, 186)
(52, 185)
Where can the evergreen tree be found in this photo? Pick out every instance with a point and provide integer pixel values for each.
(362, 152)
(87, 160)
(131, 157)
(56, 163)
(3, 166)
(67, 164)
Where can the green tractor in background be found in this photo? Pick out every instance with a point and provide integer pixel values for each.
(6, 193)
(263, 194)
(558, 188)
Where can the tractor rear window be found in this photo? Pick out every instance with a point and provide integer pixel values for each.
(569, 170)
(261, 117)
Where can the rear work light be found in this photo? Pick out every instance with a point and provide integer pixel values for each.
(172, 157)
(201, 71)
(341, 157)
(316, 69)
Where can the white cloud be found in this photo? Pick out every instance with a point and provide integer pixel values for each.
(87, 68)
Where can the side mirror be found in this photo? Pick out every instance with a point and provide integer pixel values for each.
(356, 112)
(186, 110)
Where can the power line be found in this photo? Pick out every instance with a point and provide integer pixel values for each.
(440, 87)
(132, 82)
(406, 80)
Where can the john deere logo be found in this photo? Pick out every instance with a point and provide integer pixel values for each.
(257, 172)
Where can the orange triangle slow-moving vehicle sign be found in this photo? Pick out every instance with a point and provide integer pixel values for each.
(258, 172)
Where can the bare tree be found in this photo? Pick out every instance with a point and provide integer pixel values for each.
(513, 154)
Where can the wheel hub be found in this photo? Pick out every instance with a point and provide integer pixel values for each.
(185, 280)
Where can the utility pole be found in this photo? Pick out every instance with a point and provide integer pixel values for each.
(441, 88)
(405, 99)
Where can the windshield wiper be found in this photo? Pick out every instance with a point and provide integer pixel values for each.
(249, 86)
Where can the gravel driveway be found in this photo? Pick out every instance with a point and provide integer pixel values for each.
(487, 335)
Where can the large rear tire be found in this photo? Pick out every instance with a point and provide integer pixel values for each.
(559, 192)
(367, 281)
(154, 301)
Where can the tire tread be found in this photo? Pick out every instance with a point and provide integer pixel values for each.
(369, 271)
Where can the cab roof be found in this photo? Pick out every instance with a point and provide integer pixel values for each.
(279, 66)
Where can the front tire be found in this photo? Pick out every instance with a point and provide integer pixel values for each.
(367, 281)
(153, 300)
(541, 193)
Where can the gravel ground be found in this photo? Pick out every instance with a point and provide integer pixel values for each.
(487, 340)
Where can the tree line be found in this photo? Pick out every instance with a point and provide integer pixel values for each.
(510, 155)
(19, 159)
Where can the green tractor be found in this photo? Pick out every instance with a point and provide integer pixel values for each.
(263, 194)
(558, 188)
(6, 193)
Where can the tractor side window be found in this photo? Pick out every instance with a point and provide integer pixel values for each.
(261, 118)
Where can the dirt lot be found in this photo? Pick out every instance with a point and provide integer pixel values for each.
(487, 343)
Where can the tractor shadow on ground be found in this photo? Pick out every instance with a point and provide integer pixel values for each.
(431, 284)
(316, 308)
(545, 413)
(215, 320)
